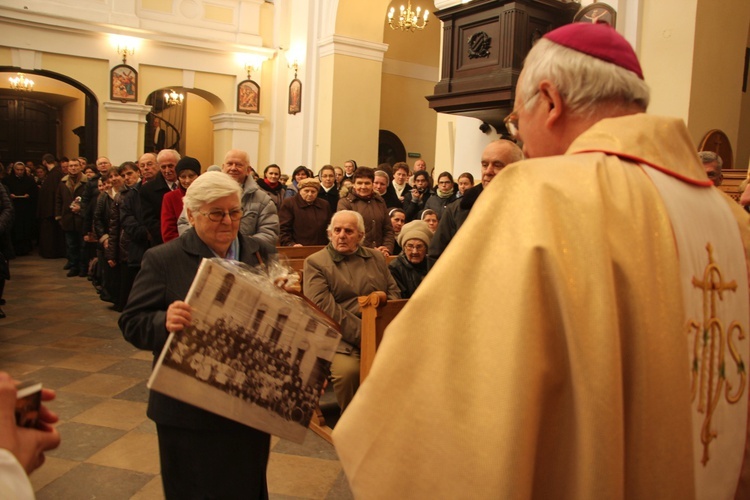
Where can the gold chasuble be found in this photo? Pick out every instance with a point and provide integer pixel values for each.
(584, 336)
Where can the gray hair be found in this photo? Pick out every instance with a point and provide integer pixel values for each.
(382, 173)
(709, 156)
(583, 81)
(208, 188)
(165, 152)
(357, 215)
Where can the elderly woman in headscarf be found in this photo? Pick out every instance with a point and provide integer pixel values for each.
(202, 454)
(410, 267)
(304, 218)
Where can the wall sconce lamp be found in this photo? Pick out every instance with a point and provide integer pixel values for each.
(125, 46)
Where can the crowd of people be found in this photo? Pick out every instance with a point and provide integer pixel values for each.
(587, 270)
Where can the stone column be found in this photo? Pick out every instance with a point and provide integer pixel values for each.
(236, 131)
(125, 128)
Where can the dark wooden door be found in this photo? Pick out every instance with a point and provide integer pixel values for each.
(28, 129)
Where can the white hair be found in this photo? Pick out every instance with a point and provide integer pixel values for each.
(165, 152)
(357, 215)
(709, 156)
(208, 188)
(582, 80)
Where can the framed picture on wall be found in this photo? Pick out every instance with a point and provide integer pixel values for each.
(248, 97)
(597, 13)
(295, 97)
(124, 83)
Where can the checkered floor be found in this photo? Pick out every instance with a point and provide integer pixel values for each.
(58, 332)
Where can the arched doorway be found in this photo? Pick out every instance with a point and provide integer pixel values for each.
(38, 122)
(390, 148)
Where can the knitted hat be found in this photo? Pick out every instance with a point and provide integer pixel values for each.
(188, 163)
(597, 40)
(415, 230)
(309, 182)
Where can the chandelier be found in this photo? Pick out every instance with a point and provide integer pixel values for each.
(20, 82)
(172, 98)
(408, 20)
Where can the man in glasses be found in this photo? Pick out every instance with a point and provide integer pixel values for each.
(495, 157)
(260, 219)
(587, 327)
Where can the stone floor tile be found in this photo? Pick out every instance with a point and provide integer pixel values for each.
(20, 371)
(138, 392)
(340, 489)
(144, 355)
(134, 451)
(80, 441)
(314, 446)
(134, 368)
(52, 469)
(95, 481)
(301, 476)
(87, 362)
(98, 384)
(37, 355)
(39, 338)
(117, 414)
(152, 491)
(69, 404)
(55, 378)
(76, 342)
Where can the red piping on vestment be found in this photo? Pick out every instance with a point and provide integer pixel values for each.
(706, 183)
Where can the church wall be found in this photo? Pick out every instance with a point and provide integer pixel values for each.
(718, 64)
(404, 111)
(199, 130)
(666, 54)
(92, 73)
(355, 81)
(743, 135)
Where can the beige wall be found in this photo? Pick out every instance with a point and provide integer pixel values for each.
(199, 134)
(94, 74)
(718, 64)
(694, 62)
(404, 111)
(743, 144)
(354, 111)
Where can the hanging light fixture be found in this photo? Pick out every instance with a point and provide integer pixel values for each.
(172, 98)
(20, 82)
(408, 20)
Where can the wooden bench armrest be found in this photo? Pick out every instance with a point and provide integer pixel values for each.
(377, 313)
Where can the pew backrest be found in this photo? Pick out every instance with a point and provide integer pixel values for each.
(377, 313)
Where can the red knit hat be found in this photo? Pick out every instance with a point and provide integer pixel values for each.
(597, 40)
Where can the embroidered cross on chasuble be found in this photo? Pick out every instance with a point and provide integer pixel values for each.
(714, 285)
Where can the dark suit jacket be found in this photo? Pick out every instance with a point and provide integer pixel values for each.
(167, 271)
(160, 140)
(151, 195)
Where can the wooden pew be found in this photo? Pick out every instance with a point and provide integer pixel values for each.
(299, 252)
(377, 313)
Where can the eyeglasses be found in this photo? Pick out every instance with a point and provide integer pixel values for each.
(218, 215)
(417, 248)
(511, 121)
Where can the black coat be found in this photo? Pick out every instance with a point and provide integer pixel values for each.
(151, 195)
(453, 217)
(135, 238)
(167, 271)
(407, 275)
(332, 197)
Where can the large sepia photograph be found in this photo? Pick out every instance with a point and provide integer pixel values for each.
(254, 353)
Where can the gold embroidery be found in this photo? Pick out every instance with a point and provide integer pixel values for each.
(708, 371)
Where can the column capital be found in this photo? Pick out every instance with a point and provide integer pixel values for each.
(126, 112)
(348, 46)
(236, 121)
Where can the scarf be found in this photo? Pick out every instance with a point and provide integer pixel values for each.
(445, 195)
